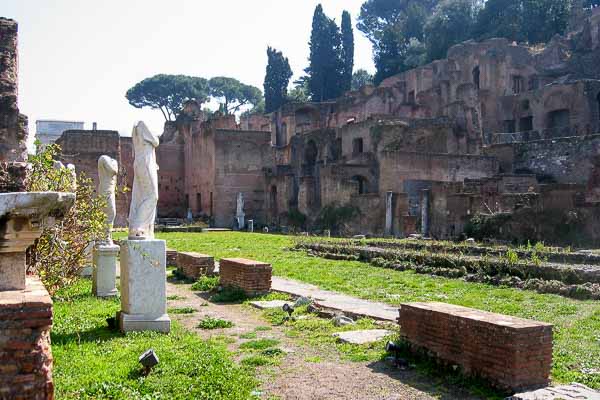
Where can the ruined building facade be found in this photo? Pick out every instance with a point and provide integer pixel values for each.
(497, 129)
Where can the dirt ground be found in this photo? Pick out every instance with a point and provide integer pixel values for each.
(296, 378)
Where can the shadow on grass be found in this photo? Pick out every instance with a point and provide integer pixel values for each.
(97, 334)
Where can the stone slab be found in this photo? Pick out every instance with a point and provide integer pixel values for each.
(104, 274)
(143, 286)
(325, 299)
(363, 336)
(574, 391)
(264, 305)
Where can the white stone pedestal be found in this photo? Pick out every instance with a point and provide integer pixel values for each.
(104, 274)
(143, 286)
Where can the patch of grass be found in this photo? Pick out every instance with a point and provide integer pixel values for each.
(206, 283)
(248, 335)
(258, 360)
(181, 310)
(229, 295)
(263, 328)
(92, 362)
(175, 297)
(576, 323)
(214, 323)
(259, 344)
(313, 359)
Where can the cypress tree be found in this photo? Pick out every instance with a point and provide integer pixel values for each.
(277, 79)
(325, 61)
(347, 50)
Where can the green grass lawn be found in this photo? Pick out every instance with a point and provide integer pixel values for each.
(577, 323)
(92, 362)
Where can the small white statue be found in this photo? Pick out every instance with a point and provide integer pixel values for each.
(107, 182)
(73, 176)
(144, 196)
(240, 211)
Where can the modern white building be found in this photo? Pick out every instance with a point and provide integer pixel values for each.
(48, 130)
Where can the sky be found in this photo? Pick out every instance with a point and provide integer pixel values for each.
(77, 58)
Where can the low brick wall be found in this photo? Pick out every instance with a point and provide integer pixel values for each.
(195, 265)
(172, 257)
(512, 353)
(25, 354)
(253, 277)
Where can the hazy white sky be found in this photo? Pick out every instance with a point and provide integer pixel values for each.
(79, 57)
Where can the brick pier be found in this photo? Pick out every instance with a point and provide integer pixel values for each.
(195, 265)
(512, 353)
(253, 277)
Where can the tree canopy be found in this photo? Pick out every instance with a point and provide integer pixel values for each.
(168, 93)
(277, 79)
(361, 78)
(232, 94)
(347, 51)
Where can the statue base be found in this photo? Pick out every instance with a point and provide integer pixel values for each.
(104, 274)
(143, 286)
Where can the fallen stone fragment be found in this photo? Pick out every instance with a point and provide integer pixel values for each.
(264, 305)
(565, 392)
(362, 337)
(341, 320)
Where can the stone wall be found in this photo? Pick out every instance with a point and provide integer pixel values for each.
(512, 353)
(25, 354)
(83, 148)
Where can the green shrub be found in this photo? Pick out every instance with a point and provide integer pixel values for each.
(214, 323)
(296, 219)
(336, 218)
(59, 255)
(206, 283)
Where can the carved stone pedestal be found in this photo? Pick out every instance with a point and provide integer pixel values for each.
(143, 286)
(104, 275)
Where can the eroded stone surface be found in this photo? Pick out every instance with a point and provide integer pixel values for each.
(362, 336)
(264, 305)
(574, 391)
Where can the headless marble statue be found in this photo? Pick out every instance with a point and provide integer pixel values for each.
(144, 196)
(107, 176)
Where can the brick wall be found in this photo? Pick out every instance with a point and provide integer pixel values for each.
(253, 277)
(512, 353)
(195, 265)
(171, 257)
(25, 354)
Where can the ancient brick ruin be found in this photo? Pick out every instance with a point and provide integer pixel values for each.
(496, 129)
(13, 125)
(512, 353)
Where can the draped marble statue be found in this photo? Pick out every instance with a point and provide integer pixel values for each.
(107, 182)
(144, 196)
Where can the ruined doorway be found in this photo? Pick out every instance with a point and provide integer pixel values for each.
(362, 183)
(476, 77)
(559, 118)
(310, 154)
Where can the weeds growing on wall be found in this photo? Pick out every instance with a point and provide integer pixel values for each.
(61, 251)
(336, 217)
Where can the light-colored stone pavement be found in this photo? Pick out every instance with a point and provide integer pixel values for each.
(333, 301)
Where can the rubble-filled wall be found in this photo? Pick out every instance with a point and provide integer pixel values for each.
(13, 125)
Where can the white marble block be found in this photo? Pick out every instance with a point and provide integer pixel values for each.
(104, 274)
(144, 286)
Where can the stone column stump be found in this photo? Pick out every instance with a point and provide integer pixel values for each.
(104, 274)
(143, 286)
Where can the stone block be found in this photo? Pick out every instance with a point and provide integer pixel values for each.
(195, 265)
(511, 353)
(104, 273)
(143, 286)
(265, 305)
(363, 336)
(253, 277)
